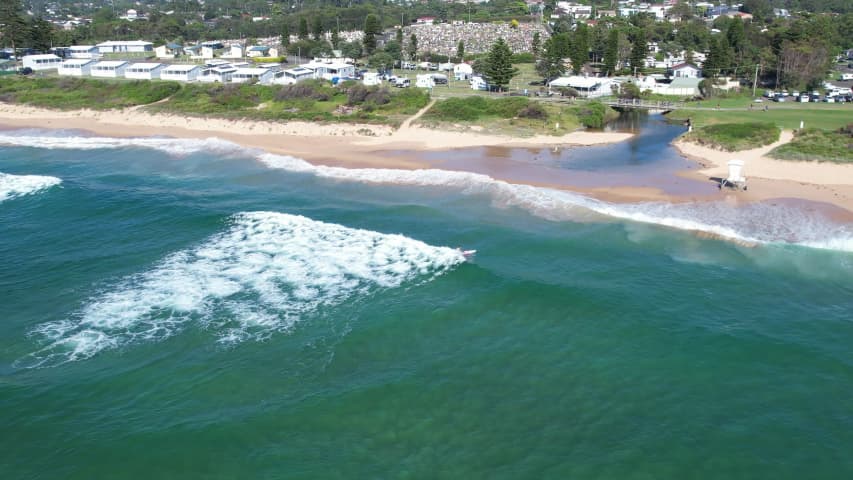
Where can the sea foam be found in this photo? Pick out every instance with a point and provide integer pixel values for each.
(260, 276)
(755, 224)
(12, 186)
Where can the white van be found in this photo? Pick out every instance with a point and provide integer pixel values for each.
(403, 83)
(847, 76)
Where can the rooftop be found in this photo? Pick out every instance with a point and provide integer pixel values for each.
(111, 63)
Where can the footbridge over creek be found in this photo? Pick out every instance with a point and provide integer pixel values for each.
(640, 104)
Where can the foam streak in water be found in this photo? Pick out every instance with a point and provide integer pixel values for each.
(753, 224)
(12, 186)
(259, 277)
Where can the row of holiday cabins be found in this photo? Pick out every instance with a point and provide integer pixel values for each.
(210, 72)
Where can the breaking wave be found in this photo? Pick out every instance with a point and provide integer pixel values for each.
(12, 186)
(760, 223)
(259, 277)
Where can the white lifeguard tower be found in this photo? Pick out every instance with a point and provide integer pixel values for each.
(736, 178)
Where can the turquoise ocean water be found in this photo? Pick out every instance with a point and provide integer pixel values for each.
(191, 309)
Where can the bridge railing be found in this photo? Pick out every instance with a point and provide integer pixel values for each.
(648, 104)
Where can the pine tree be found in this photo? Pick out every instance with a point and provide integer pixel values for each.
(336, 38)
(13, 25)
(412, 50)
(41, 34)
(317, 28)
(498, 66)
(550, 64)
(371, 29)
(579, 52)
(611, 54)
(303, 29)
(638, 52)
(460, 50)
(536, 45)
(285, 34)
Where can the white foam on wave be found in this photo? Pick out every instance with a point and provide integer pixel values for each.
(764, 224)
(12, 186)
(759, 223)
(71, 141)
(259, 277)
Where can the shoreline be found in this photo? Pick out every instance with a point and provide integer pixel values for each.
(366, 146)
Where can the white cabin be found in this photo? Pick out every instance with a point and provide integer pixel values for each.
(264, 76)
(462, 71)
(180, 73)
(590, 87)
(293, 75)
(144, 71)
(109, 69)
(83, 51)
(235, 51)
(371, 78)
(217, 74)
(130, 46)
(76, 67)
(331, 70)
(47, 61)
(424, 81)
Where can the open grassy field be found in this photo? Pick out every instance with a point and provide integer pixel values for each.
(818, 145)
(825, 116)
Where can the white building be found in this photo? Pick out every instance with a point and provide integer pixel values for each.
(293, 75)
(83, 51)
(264, 76)
(47, 61)
(217, 73)
(235, 51)
(76, 67)
(686, 70)
(109, 69)
(144, 71)
(169, 50)
(371, 78)
(258, 51)
(590, 87)
(329, 70)
(462, 71)
(129, 46)
(180, 73)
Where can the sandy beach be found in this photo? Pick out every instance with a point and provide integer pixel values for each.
(366, 146)
(770, 178)
(348, 145)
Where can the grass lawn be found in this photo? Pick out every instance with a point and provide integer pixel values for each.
(817, 145)
(825, 116)
(67, 93)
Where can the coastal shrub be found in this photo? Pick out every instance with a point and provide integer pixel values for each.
(74, 93)
(313, 89)
(476, 107)
(735, 136)
(534, 110)
(595, 114)
(816, 145)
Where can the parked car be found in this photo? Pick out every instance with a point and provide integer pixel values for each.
(403, 83)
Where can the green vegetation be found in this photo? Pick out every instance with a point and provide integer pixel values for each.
(518, 115)
(732, 137)
(826, 116)
(74, 93)
(818, 145)
(312, 100)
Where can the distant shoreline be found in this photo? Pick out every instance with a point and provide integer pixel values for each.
(365, 146)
